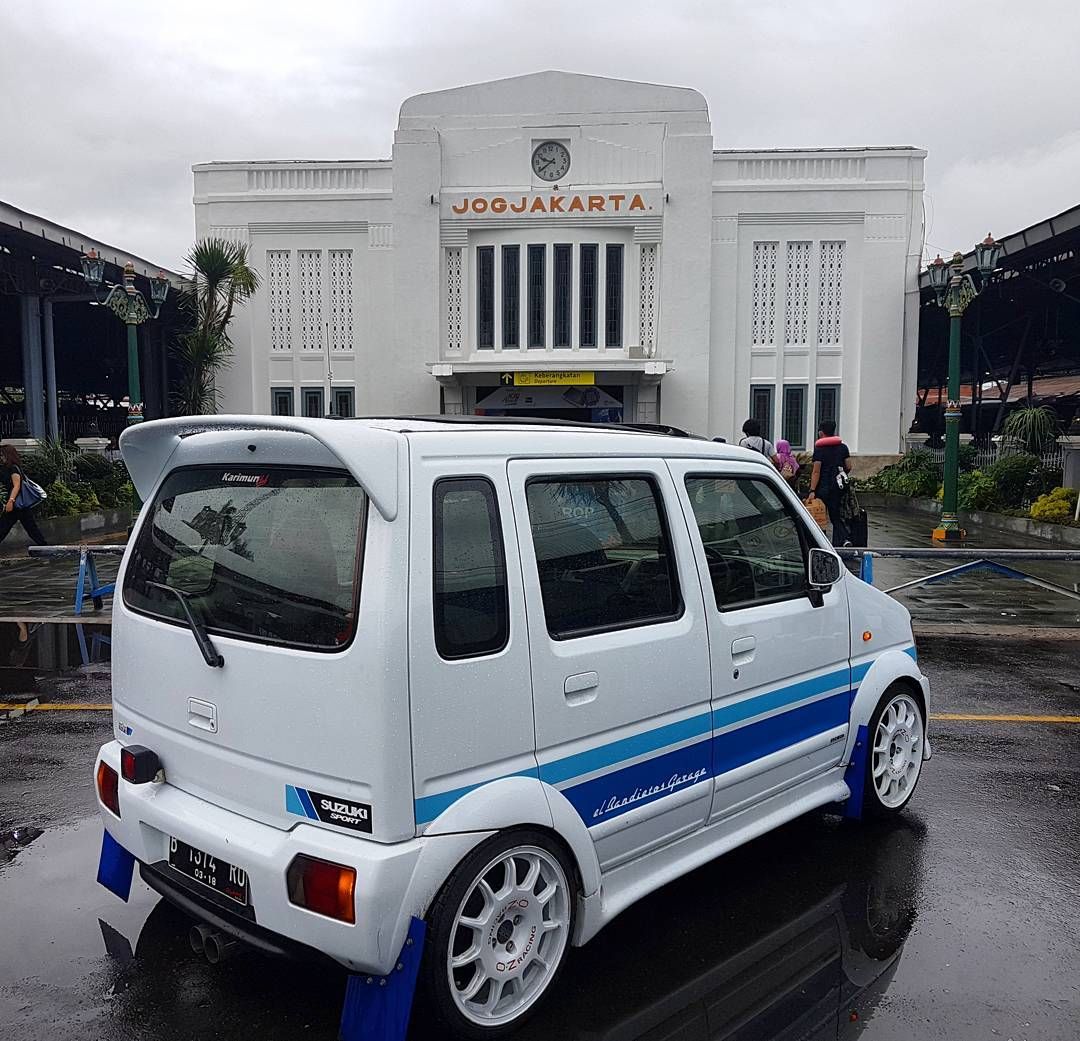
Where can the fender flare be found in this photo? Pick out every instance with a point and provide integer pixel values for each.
(513, 802)
(889, 666)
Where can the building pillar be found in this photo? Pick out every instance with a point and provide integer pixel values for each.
(30, 313)
(50, 370)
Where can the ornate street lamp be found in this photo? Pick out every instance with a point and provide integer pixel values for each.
(129, 305)
(954, 290)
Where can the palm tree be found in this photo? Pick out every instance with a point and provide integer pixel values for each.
(221, 279)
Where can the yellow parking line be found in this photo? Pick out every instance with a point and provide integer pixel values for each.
(971, 717)
(65, 707)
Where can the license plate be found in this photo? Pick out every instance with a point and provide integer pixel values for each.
(211, 871)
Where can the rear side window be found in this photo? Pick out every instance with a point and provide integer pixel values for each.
(470, 603)
(269, 554)
(603, 554)
(753, 544)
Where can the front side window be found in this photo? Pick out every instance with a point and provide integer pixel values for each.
(470, 604)
(753, 544)
(261, 553)
(603, 553)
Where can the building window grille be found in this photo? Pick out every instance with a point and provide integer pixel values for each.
(282, 401)
(562, 264)
(313, 402)
(344, 402)
(613, 296)
(309, 272)
(279, 298)
(828, 404)
(793, 422)
(761, 408)
(485, 297)
(588, 260)
(797, 293)
(647, 324)
(453, 299)
(830, 293)
(537, 296)
(511, 297)
(763, 296)
(339, 262)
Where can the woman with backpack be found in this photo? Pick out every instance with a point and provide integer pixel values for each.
(23, 496)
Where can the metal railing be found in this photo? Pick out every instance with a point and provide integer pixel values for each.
(973, 560)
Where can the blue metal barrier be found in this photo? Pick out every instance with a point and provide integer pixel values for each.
(87, 573)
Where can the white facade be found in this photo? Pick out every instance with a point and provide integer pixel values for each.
(685, 285)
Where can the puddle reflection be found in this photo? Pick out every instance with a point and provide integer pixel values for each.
(31, 652)
(795, 936)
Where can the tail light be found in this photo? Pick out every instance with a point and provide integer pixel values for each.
(139, 765)
(108, 786)
(322, 887)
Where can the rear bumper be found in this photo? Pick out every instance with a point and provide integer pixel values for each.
(390, 887)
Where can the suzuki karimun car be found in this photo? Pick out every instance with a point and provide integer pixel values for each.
(501, 677)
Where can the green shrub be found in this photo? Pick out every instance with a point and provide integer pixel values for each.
(1043, 480)
(1057, 507)
(49, 462)
(976, 491)
(61, 501)
(90, 466)
(88, 500)
(968, 457)
(1011, 474)
(916, 475)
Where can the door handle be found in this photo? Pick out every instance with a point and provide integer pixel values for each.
(742, 650)
(202, 714)
(580, 688)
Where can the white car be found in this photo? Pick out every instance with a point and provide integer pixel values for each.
(503, 677)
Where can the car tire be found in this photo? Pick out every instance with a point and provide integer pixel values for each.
(498, 934)
(896, 738)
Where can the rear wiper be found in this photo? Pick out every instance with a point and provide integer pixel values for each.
(202, 638)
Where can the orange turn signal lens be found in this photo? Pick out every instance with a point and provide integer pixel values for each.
(108, 786)
(325, 888)
(867, 636)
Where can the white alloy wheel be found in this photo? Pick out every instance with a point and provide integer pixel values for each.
(508, 936)
(897, 754)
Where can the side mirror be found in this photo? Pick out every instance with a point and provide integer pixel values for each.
(824, 568)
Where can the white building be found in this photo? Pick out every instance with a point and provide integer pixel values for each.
(575, 246)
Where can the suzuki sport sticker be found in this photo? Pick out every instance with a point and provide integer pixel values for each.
(329, 809)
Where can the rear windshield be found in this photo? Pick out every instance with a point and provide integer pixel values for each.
(265, 553)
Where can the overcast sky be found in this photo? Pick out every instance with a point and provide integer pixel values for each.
(106, 105)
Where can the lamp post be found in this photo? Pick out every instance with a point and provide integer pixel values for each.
(954, 290)
(129, 305)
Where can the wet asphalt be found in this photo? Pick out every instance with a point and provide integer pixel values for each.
(960, 919)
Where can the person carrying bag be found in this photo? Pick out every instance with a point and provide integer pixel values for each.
(23, 496)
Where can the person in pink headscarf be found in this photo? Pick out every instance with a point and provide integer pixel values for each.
(786, 463)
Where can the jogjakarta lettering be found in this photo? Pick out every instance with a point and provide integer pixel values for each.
(639, 794)
(480, 205)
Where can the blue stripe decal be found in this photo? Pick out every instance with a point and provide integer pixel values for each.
(309, 808)
(614, 794)
(430, 806)
(913, 651)
(739, 747)
(292, 802)
(746, 741)
(740, 710)
(626, 748)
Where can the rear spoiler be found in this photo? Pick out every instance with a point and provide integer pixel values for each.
(369, 453)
